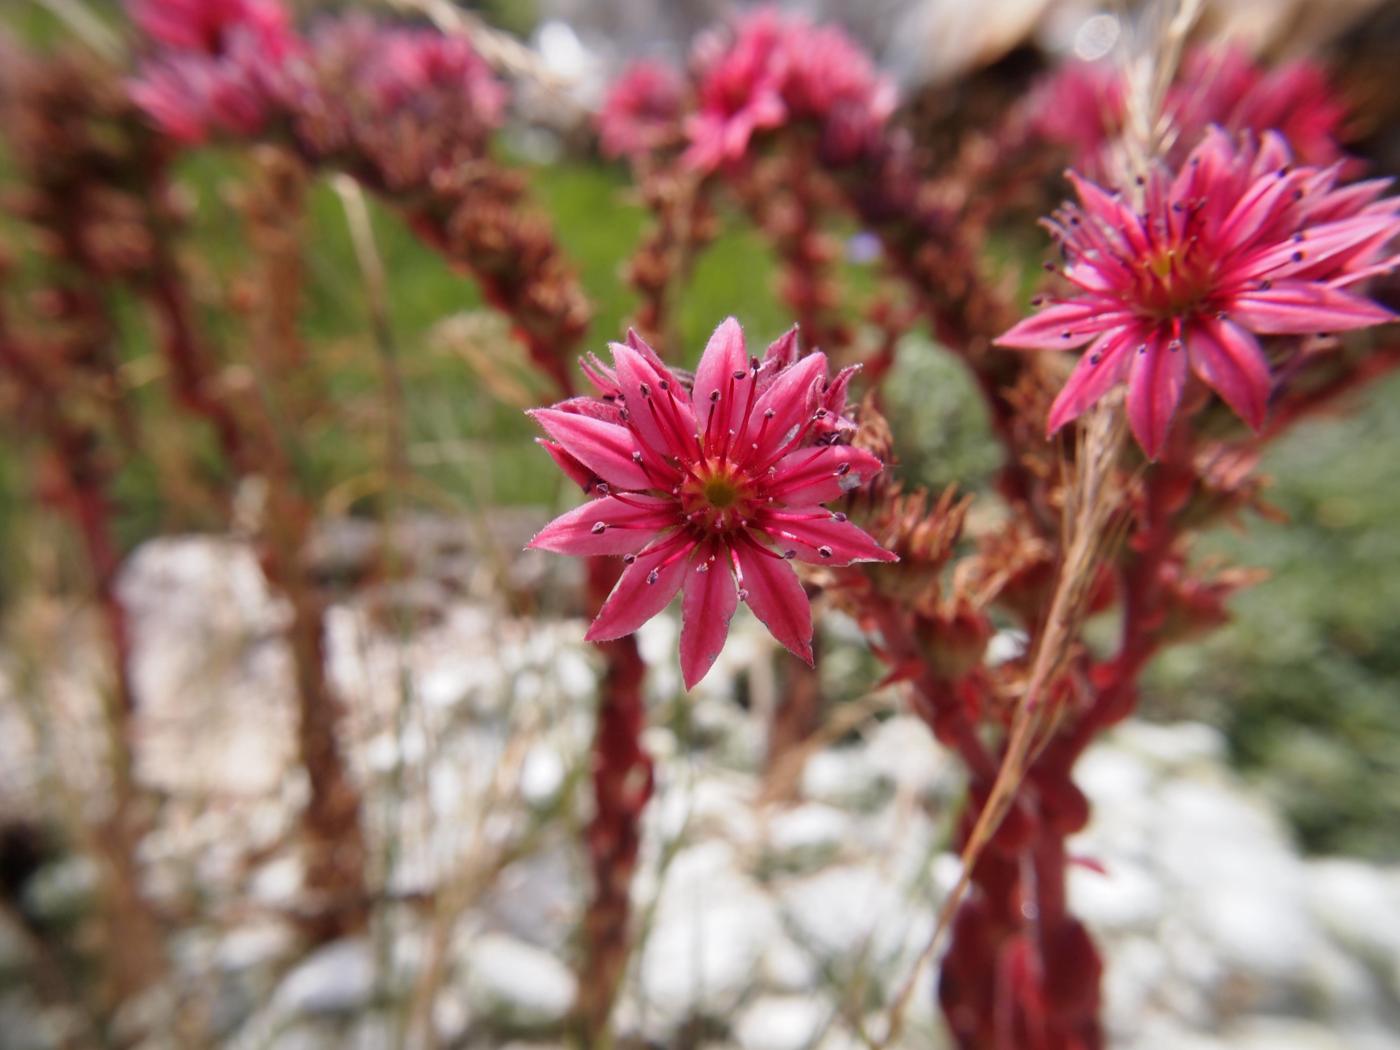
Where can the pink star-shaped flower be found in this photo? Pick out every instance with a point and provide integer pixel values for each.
(1238, 243)
(709, 487)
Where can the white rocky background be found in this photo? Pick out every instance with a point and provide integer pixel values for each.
(764, 926)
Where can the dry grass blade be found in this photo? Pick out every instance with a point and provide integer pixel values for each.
(1090, 508)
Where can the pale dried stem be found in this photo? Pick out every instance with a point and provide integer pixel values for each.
(1149, 75)
(482, 863)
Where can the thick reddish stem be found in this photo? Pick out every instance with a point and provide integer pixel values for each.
(622, 784)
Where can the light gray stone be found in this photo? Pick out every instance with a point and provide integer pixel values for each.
(808, 834)
(709, 931)
(781, 1022)
(338, 978)
(517, 984)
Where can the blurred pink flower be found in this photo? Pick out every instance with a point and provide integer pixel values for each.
(769, 68)
(219, 65)
(709, 487)
(1225, 86)
(740, 80)
(402, 64)
(1082, 106)
(207, 26)
(642, 108)
(1238, 243)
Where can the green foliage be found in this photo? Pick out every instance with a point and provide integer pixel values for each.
(1306, 681)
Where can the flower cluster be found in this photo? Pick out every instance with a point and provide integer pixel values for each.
(220, 65)
(641, 111)
(1083, 106)
(1238, 242)
(710, 487)
(412, 102)
(232, 66)
(771, 68)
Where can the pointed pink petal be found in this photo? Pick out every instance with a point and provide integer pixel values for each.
(821, 537)
(637, 343)
(1101, 367)
(605, 448)
(626, 527)
(1154, 390)
(1260, 208)
(1305, 308)
(784, 350)
(654, 415)
(771, 589)
(816, 475)
(1228, 358)
(1323, 250)
(707, 606)
(791, 398)
(723, 359)
(1111, 209)
(643, 590)
(1063, 326)
(572, 468)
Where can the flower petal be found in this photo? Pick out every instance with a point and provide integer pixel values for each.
(1063, 326)
(723, 359)
(605, 448)
(626, 527)
(1101, 367)
(662, 421)
(821, 537)
(1299, 308)
(707, 605)
(1230, 362)
(816, 475)
(771, 589)
(644, 589)
(791, 398)
(1154, 390)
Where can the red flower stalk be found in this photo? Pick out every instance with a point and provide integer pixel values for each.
(710, 487)
(641, 111)
(1238, 243)
(771, 68)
